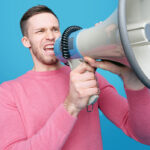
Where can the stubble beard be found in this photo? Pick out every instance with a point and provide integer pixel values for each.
(46, 60)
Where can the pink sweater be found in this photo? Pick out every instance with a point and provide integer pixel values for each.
(32, 115)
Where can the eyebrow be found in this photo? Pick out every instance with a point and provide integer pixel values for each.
(36, 29)
(39, 28)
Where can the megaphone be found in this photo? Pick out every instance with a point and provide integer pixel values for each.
(124, 37)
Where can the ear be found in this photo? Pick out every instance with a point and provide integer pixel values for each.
(25, 41)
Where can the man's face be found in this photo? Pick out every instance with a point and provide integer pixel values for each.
(42, 31)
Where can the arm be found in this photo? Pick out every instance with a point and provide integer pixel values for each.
(139, 122)
(131, 115)
(55, 132)
(13, 135)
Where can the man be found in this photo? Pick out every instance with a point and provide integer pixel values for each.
(45, 109)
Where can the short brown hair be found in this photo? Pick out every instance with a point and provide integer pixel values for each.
(31, 12)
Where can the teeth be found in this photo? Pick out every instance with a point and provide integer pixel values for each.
(49, 46)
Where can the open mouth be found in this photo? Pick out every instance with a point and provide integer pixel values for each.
(49, 50)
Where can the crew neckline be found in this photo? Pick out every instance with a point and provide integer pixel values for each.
(45, 73)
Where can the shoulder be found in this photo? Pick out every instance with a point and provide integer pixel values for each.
(7, 85)
(8, 88)
(7, 92)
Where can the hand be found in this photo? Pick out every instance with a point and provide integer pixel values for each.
(129, 78)
(83, 84)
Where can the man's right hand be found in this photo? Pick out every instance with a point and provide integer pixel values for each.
(83, 84)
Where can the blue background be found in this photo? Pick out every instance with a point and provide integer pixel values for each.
(15, 59)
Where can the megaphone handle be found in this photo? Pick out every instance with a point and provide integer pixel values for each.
(73, 63)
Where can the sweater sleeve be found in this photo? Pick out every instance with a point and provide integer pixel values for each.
(13, 136)
(139, 114)
(131, 114)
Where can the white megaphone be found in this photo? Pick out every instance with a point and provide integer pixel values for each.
(124, 37)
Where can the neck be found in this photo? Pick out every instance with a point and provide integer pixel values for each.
(43, 67)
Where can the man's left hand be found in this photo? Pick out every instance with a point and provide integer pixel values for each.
(128, 76)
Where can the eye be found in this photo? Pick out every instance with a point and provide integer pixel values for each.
(55, 29)
(40, 31)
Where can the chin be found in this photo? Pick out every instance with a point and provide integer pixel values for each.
(54, 61)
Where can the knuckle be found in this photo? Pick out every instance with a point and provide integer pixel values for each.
(92, 76)
(94, 82)
(80, 93)
(97, 90)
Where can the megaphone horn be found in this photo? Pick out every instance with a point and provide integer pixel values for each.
(124, 37)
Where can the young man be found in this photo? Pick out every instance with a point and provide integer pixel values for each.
(45, 109)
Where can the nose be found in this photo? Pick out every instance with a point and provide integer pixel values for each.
(50, 35)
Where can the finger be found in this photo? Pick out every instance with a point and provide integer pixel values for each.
(87, 84)
(109, 66)
(91, 91)
(84, 77)
(79, 78)
(83, 68)
(106, 65)
(90, 61)
(87, 76)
